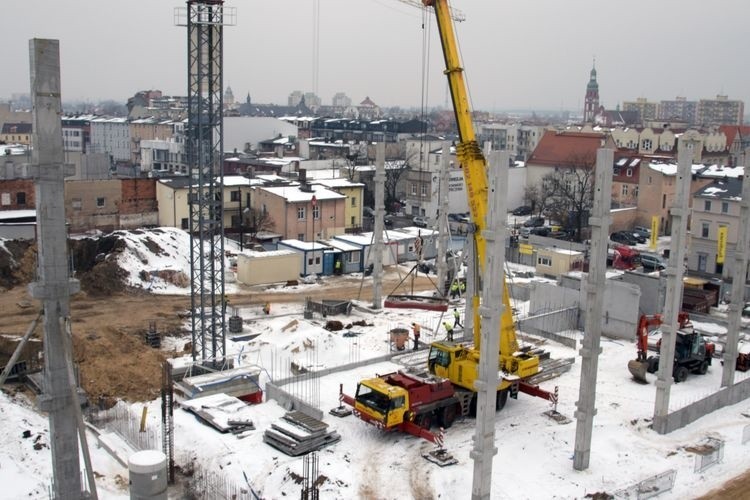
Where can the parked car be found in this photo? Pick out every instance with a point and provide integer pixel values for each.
(639, 237)
(388, 220)
(746, 310)
(643, 231)
(652, 262)
(368, 212)
(522, 210)
(624, 237)
(541, 231)
(534, 222)
(419, 221)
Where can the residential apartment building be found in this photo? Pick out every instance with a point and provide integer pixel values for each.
(720, 111)
(111, 136)
(715, 205)
(679, 109)
(147, 129)
(302, 212)
(110, 204)
(519, 139)
(354, 192)
(646, 110)
(163, 155)
(16, 133)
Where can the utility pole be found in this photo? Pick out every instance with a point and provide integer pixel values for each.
(595, 284)
(54, 285)
(675, 270)
(443, 223)
(490, 312)
(741, 250)
(376, 251)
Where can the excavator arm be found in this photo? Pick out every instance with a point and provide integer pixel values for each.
(474, 166)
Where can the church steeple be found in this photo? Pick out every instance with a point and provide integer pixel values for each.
(591, 106)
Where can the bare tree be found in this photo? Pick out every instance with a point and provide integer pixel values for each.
(569, 192)
(256, 221)
(394, 170)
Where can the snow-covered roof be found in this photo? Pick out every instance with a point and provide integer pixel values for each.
(722, 171)
(252, 254)
(16, 214)
(671, 168)
(239, 180)
(304, 245)
(341, 245)
(294, 194)
(340, 182)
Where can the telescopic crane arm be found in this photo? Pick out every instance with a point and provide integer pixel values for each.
(474, 165)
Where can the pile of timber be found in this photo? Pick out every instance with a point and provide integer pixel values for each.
(297, 433)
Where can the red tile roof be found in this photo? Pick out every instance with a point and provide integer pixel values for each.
(563, 148)
(731, 131)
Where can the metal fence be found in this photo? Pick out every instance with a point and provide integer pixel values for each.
(210, 485)
(121, 420)
(746, 434)
(649, 487)
(711, 454)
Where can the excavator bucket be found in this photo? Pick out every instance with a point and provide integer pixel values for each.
(638, 369)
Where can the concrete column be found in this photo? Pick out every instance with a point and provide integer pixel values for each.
(443, 223)
(595, 283)
(377, 246)
(738, 285)
(675, 271)
(490, 312)
(54, 285)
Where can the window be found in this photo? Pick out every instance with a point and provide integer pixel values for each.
(635, 192)
(316, 212)
(317, 260)
(310, 261)
(76, 203)
(301, 236)
(234, 196)
(646, 143)
(100, 202)
(20, 198)
(183, 223)
(300, 213)
(704, 229)
(707, 205)
(724, 207)
(629, 172)
(624, 189)
(354, 220)
(353, 257)
(664, 201)
(424, 190)
(544, 261)
(354, 201)
(413, 189)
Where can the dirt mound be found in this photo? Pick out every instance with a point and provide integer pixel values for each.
(17, 262)
(104, 279)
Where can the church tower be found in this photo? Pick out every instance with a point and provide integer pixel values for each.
(591, 108)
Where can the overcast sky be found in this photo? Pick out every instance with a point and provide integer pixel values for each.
(527, 54)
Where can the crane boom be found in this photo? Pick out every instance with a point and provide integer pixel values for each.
(456, 14)
(474, 165)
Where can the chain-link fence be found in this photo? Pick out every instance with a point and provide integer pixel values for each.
(711, 453)
(649, 487)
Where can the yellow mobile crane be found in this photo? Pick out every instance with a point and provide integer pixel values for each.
(455, 361)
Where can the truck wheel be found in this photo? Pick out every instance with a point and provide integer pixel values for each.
(447, 416)
(703, 368)
(473, 406)
(425, 421)
(680, 374)
(502, 398)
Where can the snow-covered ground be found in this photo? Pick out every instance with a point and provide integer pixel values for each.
(534, 457)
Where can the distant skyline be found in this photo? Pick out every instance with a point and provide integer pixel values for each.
(517, 55)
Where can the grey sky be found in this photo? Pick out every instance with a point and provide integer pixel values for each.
(517, 54)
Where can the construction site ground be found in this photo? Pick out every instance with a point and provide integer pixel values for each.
(109, 330)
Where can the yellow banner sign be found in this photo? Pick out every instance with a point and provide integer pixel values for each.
(721, 252)
(654, 231)
(525, 249)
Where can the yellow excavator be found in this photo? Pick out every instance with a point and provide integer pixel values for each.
(456, 362)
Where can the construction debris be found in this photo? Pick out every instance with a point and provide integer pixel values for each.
(440, 457)
(298, 433)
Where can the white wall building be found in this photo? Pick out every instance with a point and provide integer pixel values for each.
(111, 136)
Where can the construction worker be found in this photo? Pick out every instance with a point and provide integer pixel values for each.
(456, 318)
(454, 289)
(448, 330)
(267, 308)
(417, 329)
(462, 287)
(337, 267)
